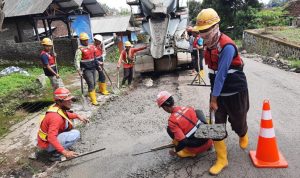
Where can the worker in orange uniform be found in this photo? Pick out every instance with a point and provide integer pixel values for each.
(182, 125)
(86, 65)
(229, 89)
(127, 58)
(56, 131)
(100, 54)
(48, 60)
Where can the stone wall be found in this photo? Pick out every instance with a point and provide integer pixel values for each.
(254, 42)
(27, 53)
(26, 33)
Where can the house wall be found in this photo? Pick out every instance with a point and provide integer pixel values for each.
(27, 53)
(11, 33)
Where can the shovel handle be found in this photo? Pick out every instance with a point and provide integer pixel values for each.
(212, 117)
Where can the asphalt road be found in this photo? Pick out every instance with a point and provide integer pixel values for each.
(133, 123)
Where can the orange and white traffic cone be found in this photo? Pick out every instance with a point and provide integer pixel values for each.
(267, 154)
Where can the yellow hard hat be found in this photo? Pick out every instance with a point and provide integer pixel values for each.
(47, 41)
(206, 18)
(127, 43)
(84, 36)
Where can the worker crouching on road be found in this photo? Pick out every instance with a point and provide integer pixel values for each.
(99, 57)
(56, 131)
(182, 125)
(229, 90)
(48, 60)
(127, 58)
(86, 66)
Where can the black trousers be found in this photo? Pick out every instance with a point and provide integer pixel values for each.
(128, 75)
(234, 108)
(90, 77)
(101, 78)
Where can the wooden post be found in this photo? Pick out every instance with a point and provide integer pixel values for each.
(45, 27)
(49, 25)
(35, 30)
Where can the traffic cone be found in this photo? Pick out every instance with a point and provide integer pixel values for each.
(267, 154)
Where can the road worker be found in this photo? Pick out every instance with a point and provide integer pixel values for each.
(100, 54)
(48, 60)
(127, 59)
(190, 38)
(182, 125)
(229, 91)
(197, 53)
(57, 133)
(86, 66)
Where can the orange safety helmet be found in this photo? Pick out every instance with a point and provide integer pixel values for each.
(162, 97)
(62, 94)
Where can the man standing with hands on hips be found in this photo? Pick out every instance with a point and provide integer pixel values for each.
(229, 89)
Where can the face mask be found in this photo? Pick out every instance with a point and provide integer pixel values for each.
(211, 37)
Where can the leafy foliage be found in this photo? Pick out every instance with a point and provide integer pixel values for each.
(194, 9)
(234, 13)
(272, 17)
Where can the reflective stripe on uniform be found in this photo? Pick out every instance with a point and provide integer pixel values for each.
(267, 133)
(230, 71)
(86, 60)
(191, 132)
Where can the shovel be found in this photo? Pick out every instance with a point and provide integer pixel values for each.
(118, 78)
(83, 98)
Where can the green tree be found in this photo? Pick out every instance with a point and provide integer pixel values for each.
(194, 9)
(235, 14)
(244, 19)
(271, 17)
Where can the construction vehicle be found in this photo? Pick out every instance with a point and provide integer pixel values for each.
(164, 22)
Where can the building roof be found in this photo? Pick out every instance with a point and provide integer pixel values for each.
(13, 8)
(110, 24)
(94, 8)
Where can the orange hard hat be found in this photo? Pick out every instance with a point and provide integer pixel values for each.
(162, 97)
(62, 94)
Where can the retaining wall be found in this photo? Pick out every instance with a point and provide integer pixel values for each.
(265, 45)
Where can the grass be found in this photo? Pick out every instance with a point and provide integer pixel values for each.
(238, 43)
(15, 89)
(289, 34)
(113, 54)
(295, 63)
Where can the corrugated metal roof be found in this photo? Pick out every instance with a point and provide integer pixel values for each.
(110, 24)
(94, 7)
(13, 8)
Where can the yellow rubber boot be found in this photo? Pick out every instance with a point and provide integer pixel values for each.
(222, 161)
(184, 153)
(244, 141)
(93, 97)
(202, 73)
(103, 90)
